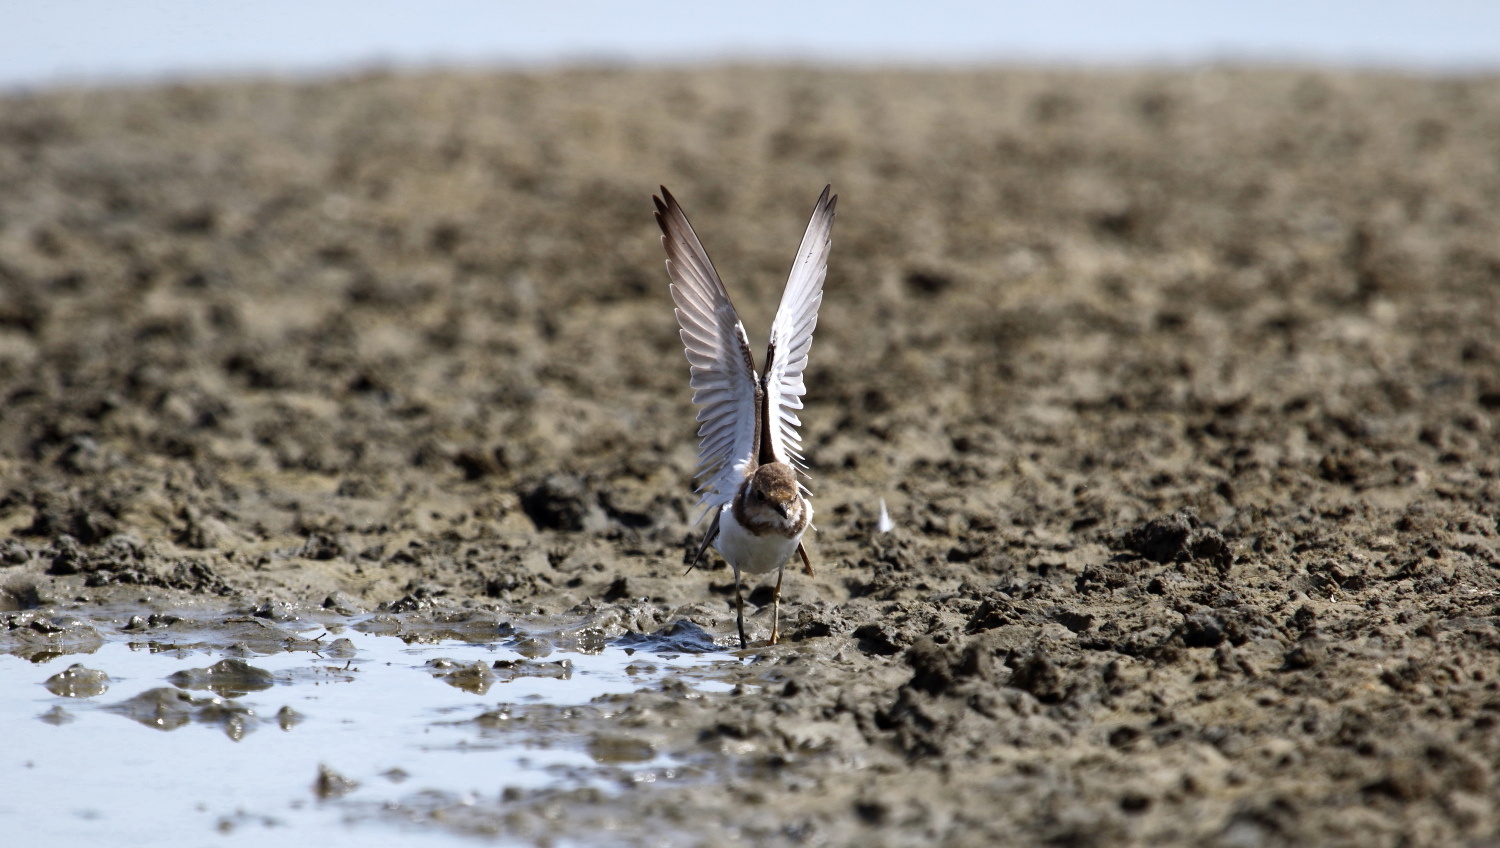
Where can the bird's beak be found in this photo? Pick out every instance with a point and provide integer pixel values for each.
(781, 508)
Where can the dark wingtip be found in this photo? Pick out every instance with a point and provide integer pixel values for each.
(666, 208)
(824, 199)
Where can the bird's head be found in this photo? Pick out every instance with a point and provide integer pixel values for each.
(773, 487)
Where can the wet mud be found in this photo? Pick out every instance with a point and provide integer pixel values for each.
(1182, 390)
(336, 729)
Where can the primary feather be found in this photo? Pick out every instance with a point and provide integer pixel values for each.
(792, 332)
(744, 420)
(721, 368)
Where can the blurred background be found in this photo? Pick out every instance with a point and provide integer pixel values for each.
(96, 40)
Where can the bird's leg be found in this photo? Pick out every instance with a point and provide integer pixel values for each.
(739, 611)
(776, 606)
(806, 563)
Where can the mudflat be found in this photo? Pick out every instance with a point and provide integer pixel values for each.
(1182, 389)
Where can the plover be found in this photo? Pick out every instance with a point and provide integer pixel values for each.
(749, 453)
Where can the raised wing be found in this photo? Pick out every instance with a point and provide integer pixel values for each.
(791, 338)
(721, 368)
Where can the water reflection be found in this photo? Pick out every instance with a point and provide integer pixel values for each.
(165, 708)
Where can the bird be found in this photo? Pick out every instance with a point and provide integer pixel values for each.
(750, 463)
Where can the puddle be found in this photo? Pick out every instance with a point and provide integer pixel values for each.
(149, 731)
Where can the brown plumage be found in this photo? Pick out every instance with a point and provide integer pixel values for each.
(772, 487)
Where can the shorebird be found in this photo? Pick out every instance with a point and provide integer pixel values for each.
(749, 453)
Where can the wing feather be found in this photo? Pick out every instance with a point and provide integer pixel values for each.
(792, 332)
(721, 368)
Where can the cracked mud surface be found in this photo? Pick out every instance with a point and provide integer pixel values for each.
(1183, 389)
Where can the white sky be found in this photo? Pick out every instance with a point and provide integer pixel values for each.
(96, 40)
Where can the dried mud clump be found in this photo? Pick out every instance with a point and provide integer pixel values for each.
(1179, 537)
(1180, 389)
(561, 503)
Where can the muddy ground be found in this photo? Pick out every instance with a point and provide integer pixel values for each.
(1183, 389)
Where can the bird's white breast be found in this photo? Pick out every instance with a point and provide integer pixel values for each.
(747, 552)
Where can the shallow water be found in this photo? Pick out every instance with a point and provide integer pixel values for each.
(189, 743)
